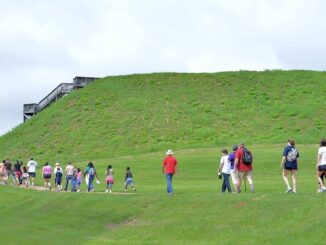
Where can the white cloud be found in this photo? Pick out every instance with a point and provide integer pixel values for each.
(46, 42)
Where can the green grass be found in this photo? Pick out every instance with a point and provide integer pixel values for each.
(126, 115)
(197, 214)
(132, 120)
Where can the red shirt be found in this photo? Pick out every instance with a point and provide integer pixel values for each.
(241, 166)
(169, 163)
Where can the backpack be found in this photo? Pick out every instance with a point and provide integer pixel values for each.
(91, 171)
(292, 155)
(246, 157)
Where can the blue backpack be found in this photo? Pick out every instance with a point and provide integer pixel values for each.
(91, 171)
(246, 157)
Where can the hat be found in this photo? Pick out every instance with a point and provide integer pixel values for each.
(169, 152)
(235, 147)
(57, 164)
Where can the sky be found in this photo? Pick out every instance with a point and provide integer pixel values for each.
(44, 42)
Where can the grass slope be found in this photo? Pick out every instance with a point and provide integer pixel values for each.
(146, 113)
(127, 120)
(197, 214)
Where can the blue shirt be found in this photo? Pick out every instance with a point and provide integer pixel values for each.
(58, 175)
(231, 159)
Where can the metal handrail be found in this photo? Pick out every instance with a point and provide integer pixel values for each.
(62, 88)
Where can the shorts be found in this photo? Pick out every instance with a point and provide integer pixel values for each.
(129, 181)
(58, 182)
(46, 176)
(322, 168)
(234, 176)
(291, 166)
(3, 174)
(18, 174)
(109, 179)
(243, 175)
(32, 174)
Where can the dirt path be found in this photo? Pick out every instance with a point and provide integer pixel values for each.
(41, 188)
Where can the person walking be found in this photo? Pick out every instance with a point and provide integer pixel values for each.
(109, 178)
(243, 162)
(58, 176)
(233, 171)
(25, 177)
(91, 172)
(47, 171)
(321, 164)
(224, 169)
(69, 171)
(18, 172)
(57, 168)
(9, 170)
(3, 173)
(79, 179)
(170, 166)
(289, 163)
(31, 168)
(129, 180)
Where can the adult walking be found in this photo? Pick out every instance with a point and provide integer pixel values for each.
(289, 164)
(321, 164)
(233, 171)
(69, 171)
(3, 173)
(91, 172)
(243, 162)
(9, 170)
(31, 168)
(47, 171)
(18, 172)
(170, 165)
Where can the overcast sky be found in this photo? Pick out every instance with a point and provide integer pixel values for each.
(46, 42)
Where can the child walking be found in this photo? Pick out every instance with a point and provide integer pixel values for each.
(58, 178)
(224, 168)
(79, 179)
(109, 178)
(25, 177)
(129, 180)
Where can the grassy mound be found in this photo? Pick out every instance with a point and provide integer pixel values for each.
(146, 113)
(128, 119)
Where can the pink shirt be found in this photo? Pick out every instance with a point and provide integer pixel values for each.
(47, 170)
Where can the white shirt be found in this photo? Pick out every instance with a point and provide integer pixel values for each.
(69, 170)
(322, 152)
(226, 164)
(31, 166)
(56, 170)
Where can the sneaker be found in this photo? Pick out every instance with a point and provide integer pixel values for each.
(107, 191)
(78, 190)
(323, 189)
(288, 190)
(110, 191)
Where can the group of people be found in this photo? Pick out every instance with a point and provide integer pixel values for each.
(237, 164)
(240, 168)
(25, 175)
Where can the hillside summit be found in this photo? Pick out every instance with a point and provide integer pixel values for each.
(123, 115)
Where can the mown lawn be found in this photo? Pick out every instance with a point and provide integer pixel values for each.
(197, 214)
